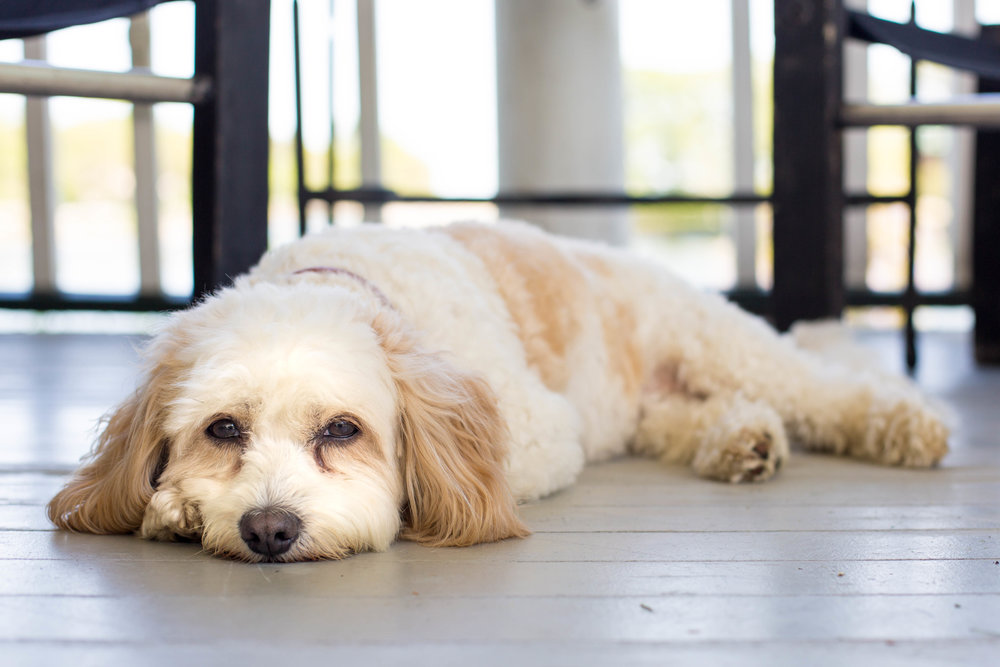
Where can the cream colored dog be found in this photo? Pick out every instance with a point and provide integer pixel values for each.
(368, 383)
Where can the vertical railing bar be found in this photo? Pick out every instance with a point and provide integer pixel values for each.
(744, 232)
(910, 292)
(371, 153)
(300, 164)
(41, 191)
(331, 173)
(960, 158)
(856, 162)
(144, 155)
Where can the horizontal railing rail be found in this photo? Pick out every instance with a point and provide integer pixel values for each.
(137, 85)
(981, 110)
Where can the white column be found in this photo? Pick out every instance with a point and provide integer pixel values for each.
(559, 97)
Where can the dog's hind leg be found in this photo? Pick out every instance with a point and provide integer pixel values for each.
(869, 416)
(725, 437)
(736, 365)
(824, 406)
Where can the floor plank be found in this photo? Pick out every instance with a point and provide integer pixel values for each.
(583, 653)
(385, 575)
(416, 618)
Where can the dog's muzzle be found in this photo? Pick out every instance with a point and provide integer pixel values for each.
(271, 531)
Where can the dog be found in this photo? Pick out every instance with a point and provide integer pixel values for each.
(370, 383)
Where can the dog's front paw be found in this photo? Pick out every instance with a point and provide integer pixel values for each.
(750, 453)
(168, 518)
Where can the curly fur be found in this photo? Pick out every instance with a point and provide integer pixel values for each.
(481, 365)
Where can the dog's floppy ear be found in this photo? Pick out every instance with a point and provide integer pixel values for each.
(109, 493)
(453, 443)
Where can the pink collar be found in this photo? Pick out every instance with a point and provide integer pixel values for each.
(336, 270)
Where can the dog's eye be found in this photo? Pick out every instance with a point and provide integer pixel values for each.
(224, 429)
(340, 429)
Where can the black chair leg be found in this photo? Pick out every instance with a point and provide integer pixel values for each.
(230, 157)
(808, 187)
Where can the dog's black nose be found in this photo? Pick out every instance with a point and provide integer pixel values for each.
(270, 532)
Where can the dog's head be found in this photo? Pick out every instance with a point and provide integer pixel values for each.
(296, 422)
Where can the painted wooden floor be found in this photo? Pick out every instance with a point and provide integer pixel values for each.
(832, 563)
